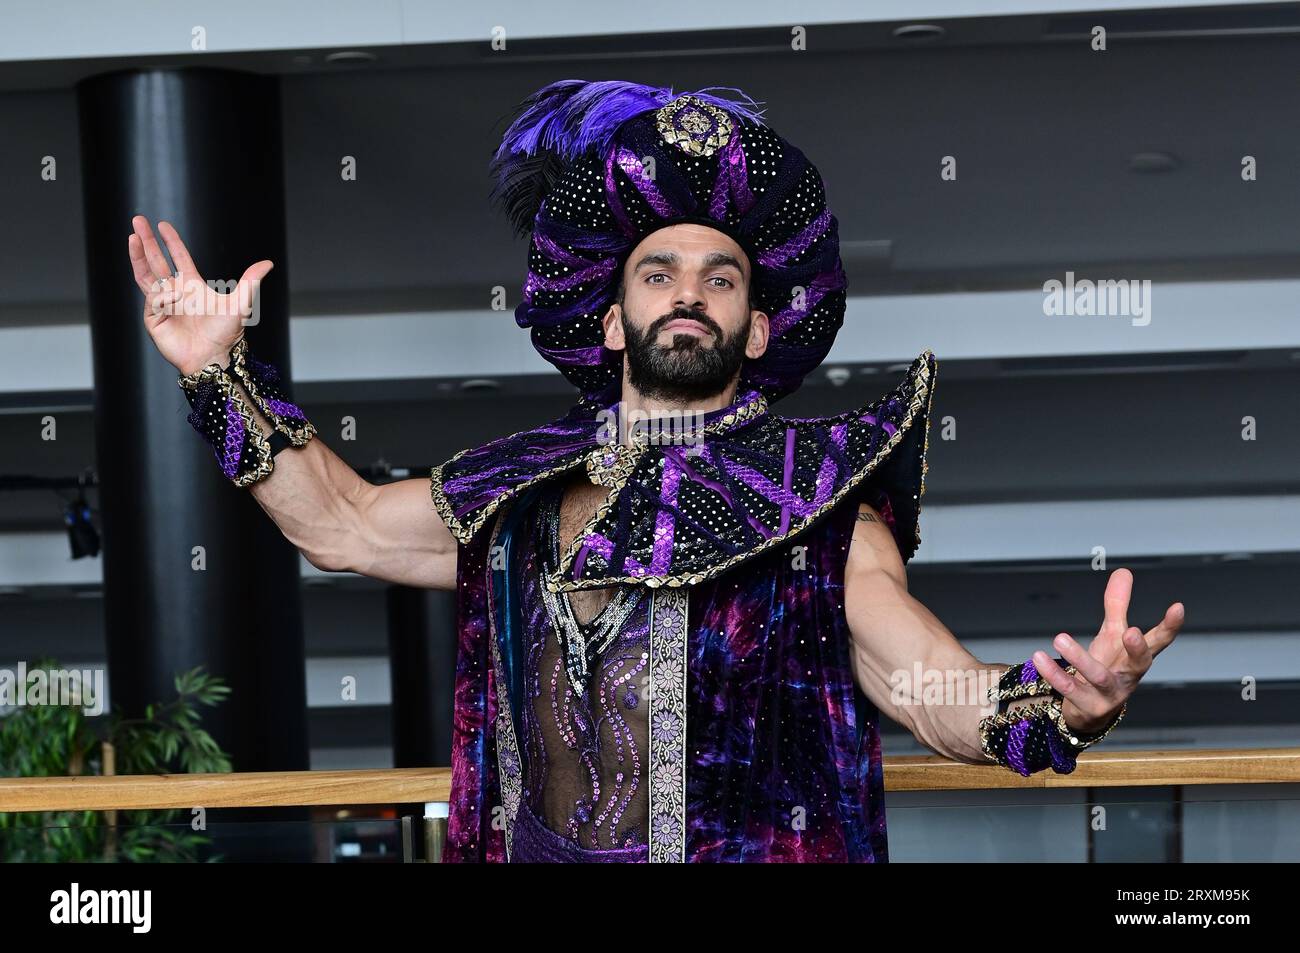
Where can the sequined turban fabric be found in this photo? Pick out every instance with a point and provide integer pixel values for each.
(589, 169)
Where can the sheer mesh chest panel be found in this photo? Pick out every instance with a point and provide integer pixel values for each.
(585, 748)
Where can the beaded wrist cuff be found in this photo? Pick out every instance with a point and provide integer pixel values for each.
(1077, 741)
(271, 394)
(1027, 740)
(1035, 737)
(219, 412)
(1023, 680)
(220, 415)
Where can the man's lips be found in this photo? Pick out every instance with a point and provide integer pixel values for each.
(689, 325)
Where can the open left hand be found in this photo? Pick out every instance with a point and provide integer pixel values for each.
(1108, 672)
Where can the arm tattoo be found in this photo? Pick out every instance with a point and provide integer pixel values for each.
(867, 517)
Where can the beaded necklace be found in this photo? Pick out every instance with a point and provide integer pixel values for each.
(582, 643)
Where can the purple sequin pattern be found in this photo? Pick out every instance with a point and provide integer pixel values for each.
(685, 510)
(785, 763)
(271, 392)
(234, 442)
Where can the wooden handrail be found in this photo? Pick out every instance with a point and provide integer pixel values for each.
(253, 789)
(1104, 769)
(415, 785)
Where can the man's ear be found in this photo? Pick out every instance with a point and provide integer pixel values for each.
(613, 325)
(759, 329)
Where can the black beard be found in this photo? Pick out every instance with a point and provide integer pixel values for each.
(688, 369)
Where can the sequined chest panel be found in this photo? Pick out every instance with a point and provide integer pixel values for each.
(598, 746)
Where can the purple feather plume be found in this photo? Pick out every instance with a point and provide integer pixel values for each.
(568, 119)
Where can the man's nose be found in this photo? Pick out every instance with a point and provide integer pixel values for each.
(690, 295)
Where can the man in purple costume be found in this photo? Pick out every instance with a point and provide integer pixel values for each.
(680, 614)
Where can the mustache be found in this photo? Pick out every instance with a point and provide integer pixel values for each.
(685, 314)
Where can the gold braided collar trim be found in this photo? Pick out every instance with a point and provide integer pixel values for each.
(626, 463)
(614, 468)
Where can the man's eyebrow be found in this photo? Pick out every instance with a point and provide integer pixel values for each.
(669, 259)
(666, 258)
(715, 258)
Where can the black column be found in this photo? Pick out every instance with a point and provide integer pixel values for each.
(422, 660)
(201, 149)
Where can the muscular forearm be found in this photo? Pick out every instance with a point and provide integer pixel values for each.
(894, 635)
(313, 496)
(342, 523)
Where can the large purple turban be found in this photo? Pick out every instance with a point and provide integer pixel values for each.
(592, 168)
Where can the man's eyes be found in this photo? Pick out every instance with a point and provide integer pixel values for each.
(660, 274)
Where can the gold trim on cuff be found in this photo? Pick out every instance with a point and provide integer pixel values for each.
(1073, 738)
(238, 363)
(220, 376)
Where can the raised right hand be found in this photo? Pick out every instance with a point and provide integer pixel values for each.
(191, 324)
(1108, 671)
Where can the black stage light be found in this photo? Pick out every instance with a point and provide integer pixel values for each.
(82, 536)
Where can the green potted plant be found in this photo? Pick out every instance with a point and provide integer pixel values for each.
(59, 740)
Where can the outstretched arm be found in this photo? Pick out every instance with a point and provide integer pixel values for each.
(343, 523)
(894, 634)
(339, 521)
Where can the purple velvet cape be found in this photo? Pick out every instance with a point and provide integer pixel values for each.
(781, 749)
